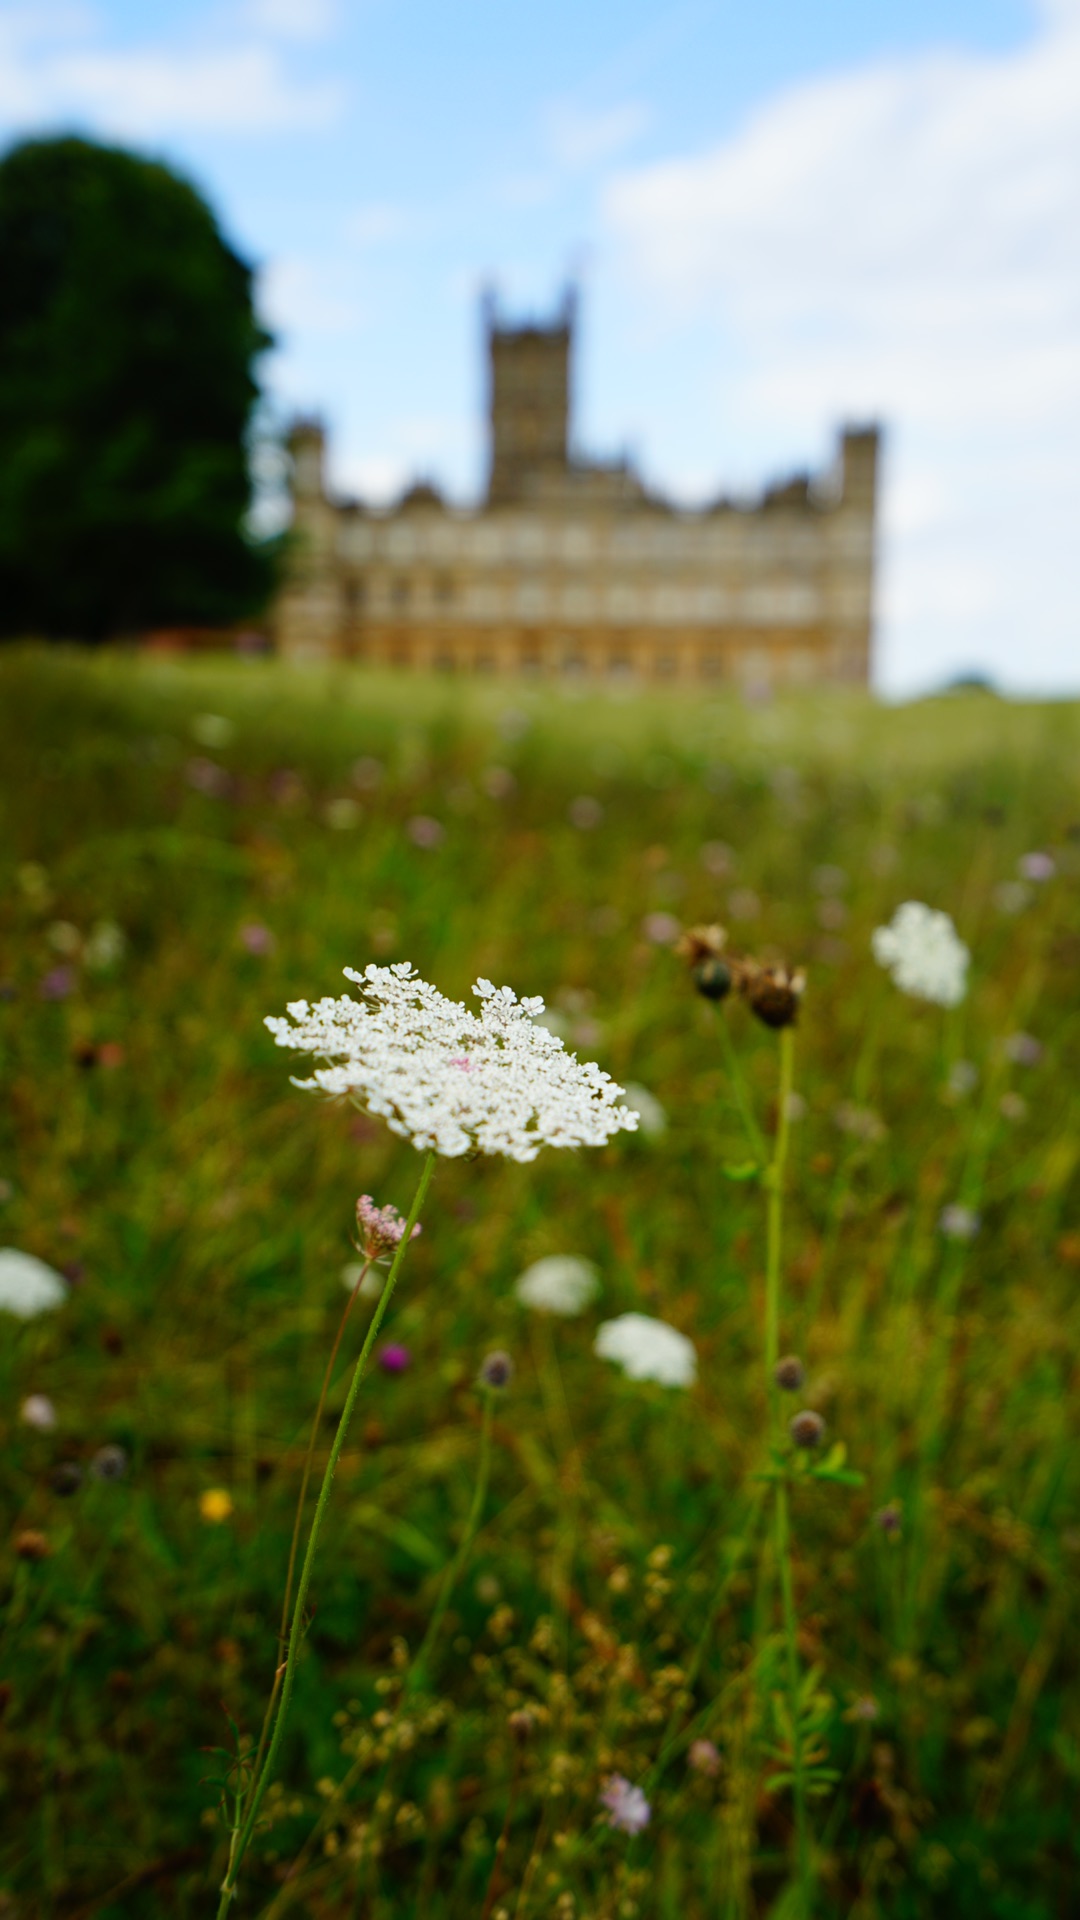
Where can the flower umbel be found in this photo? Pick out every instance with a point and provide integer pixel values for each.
(398, 1051)
(628, 1810)
(648, 1349)
(924, 954)
(561, 1283)
(380, 1228)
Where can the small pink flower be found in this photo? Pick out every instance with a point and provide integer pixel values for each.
(395, 1358)
(257, 938)
(704, 1757)
(381, 1229)
(627, 1808)
(58, 983)
(661, 928)
(425, 832)
(1038, 866)
(466, 1065)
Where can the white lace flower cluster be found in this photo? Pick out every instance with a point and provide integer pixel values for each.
(449, 1079)
(924, 954)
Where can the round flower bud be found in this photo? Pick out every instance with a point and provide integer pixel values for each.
(807, 1429)
(790, 1373)
(888, 1519)
(496, 1371)
(109, 1463)
(712, 978)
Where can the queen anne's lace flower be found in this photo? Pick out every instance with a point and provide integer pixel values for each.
(648, 1349)
(924, 954)
(561, 1283)
(451, 1080)
(27, 1286)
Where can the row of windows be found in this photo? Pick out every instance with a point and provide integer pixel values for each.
(535, 600)
(575, 542)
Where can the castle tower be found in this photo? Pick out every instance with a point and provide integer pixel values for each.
(529, 401)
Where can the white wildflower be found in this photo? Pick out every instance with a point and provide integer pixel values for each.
(105, 946)
(648, 1349)
(924, 954)
(37, 1410)
(652, 1119)
(27, 1286)
(562, 1283)
(958, 1223)
(451, 1080)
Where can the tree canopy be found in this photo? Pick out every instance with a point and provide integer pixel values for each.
(128, 343)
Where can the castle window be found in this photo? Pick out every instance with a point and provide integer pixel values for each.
(399, 592)
(353, 598)
(444, 588)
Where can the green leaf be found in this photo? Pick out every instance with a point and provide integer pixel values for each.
(741, 1170)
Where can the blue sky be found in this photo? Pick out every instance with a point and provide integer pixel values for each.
(781, 216)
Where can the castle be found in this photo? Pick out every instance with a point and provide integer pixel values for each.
(572, 567)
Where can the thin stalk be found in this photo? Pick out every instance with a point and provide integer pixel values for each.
(791, 1645)
(742, 1101)
(774, 1221)
(416, 1669)
(295, 1630)
(454, 1571)
(305, 1477)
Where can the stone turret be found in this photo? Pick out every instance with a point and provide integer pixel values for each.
(529, 403)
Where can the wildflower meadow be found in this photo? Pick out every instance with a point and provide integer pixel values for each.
(539, 1253)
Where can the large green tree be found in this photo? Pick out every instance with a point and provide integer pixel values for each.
(128, 343)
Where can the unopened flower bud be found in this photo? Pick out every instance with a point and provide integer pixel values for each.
(496, 1371)
(807, 1429)
(790, 1373)
(30, 1545)
(109, 1463)
(66, 1479)
(888, 1519)
(712, 978)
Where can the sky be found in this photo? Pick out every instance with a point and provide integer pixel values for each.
(781, 217)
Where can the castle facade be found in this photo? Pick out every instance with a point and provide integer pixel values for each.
(572, 567)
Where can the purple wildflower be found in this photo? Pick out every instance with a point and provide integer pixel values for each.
(704, 1757)
(57, 983)
(1038, 866)
(628, 1810)
(395, 1358)
(257, 938)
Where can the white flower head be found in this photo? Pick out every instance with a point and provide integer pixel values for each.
(648, 1349)
(924, 954)
(27, 1286)
(562, 1283)
(450, 1080)
(652, 1119)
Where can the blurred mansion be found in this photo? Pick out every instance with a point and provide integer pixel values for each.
(572, 567)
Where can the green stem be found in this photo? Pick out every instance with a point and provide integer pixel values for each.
(746, 1112)
(457, 1565)
(264, 1735)
(295, 1631)
(774, 1250)
(787, 1589)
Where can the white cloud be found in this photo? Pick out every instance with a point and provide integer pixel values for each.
(294, 19)
(371, 225)
(53, 67)
(297, 297)
(900, 240)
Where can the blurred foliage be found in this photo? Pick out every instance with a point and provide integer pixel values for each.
(127, 351)
(251, 830)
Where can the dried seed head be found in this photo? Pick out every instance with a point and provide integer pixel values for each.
(790, 1373)
(712, 978)
(888, 1519)
(66, 1479)
(774, 993)
(522, 1725)
(496, 1371)
(30, 1545)
(807, 1429)
(109, 1463)
(701, 943)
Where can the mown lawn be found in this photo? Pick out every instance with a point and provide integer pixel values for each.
(250, 831)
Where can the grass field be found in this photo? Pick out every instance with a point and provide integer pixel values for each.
(250, 831)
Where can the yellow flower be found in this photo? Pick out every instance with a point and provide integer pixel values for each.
(215, 1505)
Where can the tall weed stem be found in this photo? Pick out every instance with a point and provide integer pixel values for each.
(260, 1784)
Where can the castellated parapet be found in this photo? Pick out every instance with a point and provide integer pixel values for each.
(572, 567)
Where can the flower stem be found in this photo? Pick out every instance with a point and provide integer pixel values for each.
(291, 1569)
(296, 1628)
(774, 1180)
